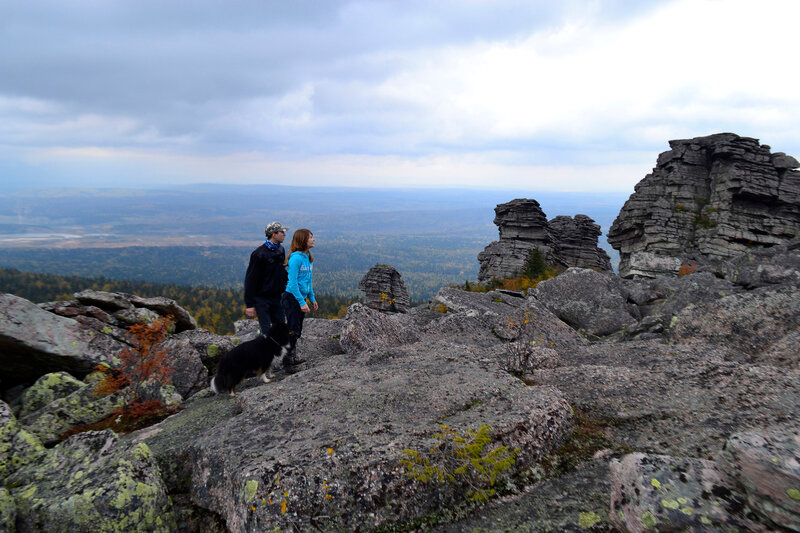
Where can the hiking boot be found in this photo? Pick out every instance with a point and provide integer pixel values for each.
(291, 359)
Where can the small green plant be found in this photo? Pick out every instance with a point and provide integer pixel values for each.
(535, 265)
(462, 458)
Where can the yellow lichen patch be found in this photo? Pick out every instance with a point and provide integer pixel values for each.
(649, 521)
(587, 520)
(656, 483)
(793, 494)
(683, 501)
(142, 452)
(250, 489)
(688, 511)
(669, 503)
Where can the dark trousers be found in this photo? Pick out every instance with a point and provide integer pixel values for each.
(269, 311)
(294, 318)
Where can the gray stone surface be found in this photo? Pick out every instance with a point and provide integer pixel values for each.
(708, 199)
(339, 428)
(48, 388)
(681, 400)
(92, 482)
(79, 408)
(365, 328)
(577, 242)
(35, 342)
(384, 289)
(18, 447)
(594, 303)
(675, 494)
(767, 464)
(753, 323)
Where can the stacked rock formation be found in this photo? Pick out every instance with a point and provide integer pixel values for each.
(577, 242)
(708, 200)
(563, 242)
(384, 289)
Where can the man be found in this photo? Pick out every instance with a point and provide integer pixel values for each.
(266, 279)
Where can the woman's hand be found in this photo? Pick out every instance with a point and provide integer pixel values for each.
(251, 312)
(314, 306)
(304, 308)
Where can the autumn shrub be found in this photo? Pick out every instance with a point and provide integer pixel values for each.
(139, 366)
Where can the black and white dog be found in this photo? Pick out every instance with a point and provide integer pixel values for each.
(256, 355)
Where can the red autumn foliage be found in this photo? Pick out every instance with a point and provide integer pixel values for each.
(138, 365)
(686, 269)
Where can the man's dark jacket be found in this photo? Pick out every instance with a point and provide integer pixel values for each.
(266, 276)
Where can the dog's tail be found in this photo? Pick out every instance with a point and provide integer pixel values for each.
(214, 385)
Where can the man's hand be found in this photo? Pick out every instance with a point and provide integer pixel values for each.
(251, 312)
(314, 306)
(304, 308)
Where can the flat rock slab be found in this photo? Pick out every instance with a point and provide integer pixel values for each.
(677, 400)
(339, 429)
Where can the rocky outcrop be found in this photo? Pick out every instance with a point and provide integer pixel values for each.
(384, 289)
(523, 228)
(92, 482)
(708, 200)
(130, 308)
(577, 242)
(35, 342)
(563, 242)
(325, 445)
(594, 303)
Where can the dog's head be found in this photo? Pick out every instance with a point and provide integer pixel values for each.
(279, 332)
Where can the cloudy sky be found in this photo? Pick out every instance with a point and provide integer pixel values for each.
(540, 95)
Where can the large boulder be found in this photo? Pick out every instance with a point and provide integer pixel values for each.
(765, 463)
(486, 320)
(674, 494)
(708, 200)
(594, 303)
(193, 355)
(384, 289)
(80, 408)
(325, 445)
(92, 482)
(18, 447)
(132, 309)
(367, 329)
(47, 389)
(35, 342)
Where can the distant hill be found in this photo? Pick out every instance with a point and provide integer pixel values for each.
(203, 235)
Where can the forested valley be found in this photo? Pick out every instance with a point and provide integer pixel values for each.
(214, 308)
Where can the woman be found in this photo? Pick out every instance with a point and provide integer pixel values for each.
(298, 289)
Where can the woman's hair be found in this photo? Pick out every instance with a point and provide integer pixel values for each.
(300, 244)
